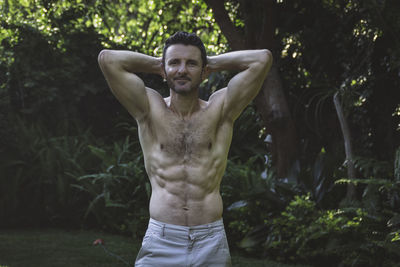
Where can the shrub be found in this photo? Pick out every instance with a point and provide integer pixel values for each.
(120, 191)
(35, 186)
(341, 237)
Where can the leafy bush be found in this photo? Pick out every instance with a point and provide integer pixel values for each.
(70, 181)
(35, 187)
(120, 192)
(341, 237)
(297, 228)
(300, 230)
(252, 197)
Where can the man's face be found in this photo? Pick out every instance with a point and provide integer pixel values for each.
(183, 68)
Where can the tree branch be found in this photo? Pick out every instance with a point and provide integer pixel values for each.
(232, 34)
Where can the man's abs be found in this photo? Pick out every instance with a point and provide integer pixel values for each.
(185, 208)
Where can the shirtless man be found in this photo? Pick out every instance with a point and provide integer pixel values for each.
(185, 142)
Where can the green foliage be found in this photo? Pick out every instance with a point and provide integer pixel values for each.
(318, 175)
(45, 180)
(380, 187)
(59, 70)
(120, 191)
(346, 237)
(352, 235)
(347, 47)
(300, 230)
(370, 167)
(241, 181)
(247, 140)
(252, 197)
(35, 187)
(145, 25)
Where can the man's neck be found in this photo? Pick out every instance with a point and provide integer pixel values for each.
(184, 105)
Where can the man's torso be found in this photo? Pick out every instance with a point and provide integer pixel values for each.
(185, 159)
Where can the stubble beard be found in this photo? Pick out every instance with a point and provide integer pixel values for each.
(193, 87)
(171, 85)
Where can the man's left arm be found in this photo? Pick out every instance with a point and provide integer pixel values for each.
(244, 86)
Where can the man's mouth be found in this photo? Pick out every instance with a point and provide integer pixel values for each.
(180, 79)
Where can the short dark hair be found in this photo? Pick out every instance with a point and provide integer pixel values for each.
(185, 38)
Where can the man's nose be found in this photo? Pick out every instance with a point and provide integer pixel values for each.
(182, 68)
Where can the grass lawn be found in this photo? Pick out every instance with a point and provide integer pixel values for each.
(45, 248)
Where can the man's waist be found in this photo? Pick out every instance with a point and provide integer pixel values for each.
(181, 232)
(212, 225)
(187, 212)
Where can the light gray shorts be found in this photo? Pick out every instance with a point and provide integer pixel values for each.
(174, 245)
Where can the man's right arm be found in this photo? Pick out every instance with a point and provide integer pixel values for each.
(119, 68)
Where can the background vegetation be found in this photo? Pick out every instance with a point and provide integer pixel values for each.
(70, 157)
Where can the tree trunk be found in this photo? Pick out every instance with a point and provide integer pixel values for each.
(272, 106)
(271, 102)
(351, 171)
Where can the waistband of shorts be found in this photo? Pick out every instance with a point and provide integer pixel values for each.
(217, 225)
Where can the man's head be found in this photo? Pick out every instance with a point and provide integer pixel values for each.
(184, 60)
(186, 39)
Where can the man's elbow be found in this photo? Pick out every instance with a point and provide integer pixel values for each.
(104, 57)
(266, 58)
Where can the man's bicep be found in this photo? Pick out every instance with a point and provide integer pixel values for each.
(128, 88)
(241, 90)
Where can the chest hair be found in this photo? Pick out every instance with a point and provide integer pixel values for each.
(186, 138)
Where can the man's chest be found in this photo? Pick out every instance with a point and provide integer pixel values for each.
(185, 137)
(166, 135)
